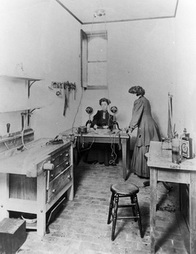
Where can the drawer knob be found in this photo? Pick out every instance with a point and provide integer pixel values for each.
(67, 163)
(68, 177)
(54, 190)
(66, 155)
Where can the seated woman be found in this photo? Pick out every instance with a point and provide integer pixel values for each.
(101, 153)
(102, 119)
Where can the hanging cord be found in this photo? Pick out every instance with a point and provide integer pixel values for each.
(170, 133)
(113, 153)
(92, 24)
(77, 111)
(22, 147)
(106, 37)
(89, 147)
(22, 137)
(6, 145)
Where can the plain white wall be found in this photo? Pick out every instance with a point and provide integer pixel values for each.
(39, 39)
(139, 53)
(42, 40)
(185, 65)
(159, 55)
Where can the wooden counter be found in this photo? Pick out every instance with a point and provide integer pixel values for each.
(162, 169)
(29, 188)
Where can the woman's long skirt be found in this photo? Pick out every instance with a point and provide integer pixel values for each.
(139, 161)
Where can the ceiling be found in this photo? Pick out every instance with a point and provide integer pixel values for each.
(99, 11)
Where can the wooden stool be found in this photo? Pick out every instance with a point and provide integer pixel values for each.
(122, 191)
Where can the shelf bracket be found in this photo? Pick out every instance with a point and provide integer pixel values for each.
(30, 83)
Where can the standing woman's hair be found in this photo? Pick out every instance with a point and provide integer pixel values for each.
(138, 90)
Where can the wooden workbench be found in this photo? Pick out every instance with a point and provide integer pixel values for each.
(26, 186)
(162, 169)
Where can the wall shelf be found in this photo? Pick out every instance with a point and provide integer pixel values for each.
(3, 111)
(30, 81)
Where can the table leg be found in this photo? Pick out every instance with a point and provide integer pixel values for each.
(124, 157)
(70, 191)
(41, 207)
(153, 203)
(4, 190)
(192, 212)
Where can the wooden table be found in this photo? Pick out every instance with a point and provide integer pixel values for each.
(106, 136)
(162, 169)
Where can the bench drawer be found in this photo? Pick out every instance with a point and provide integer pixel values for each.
(58, 184)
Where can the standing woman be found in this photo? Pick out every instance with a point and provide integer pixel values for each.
(147, 131)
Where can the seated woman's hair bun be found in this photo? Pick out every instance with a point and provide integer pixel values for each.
(104, 99)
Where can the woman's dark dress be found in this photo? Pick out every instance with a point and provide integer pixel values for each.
(147, 131)
(100, 152)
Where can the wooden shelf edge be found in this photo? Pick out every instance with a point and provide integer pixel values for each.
(20, 77)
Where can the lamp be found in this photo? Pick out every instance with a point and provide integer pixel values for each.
(89, 111)
(99, 13)
(100, 16)
(114, 110)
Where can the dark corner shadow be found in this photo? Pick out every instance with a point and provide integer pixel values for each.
(164, 237)
(129, 170)
(120, 229)
(128, 175)
(145, 218)
(79, 168)
(164, 197)
(171, 229)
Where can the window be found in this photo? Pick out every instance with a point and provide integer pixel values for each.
(94, 59)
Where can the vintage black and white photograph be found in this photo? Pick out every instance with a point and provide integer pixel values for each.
(97, 127)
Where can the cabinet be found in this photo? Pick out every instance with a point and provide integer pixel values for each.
(31, 186)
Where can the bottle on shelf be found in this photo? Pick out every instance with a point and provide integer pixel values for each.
(186, 145)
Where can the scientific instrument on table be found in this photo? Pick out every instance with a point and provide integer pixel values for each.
(182, 147)
(89, 111)
(114, 110)
(186, 145)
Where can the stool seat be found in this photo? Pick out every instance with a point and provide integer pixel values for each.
(125, 189)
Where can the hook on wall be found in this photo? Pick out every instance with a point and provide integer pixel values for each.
(64, 89)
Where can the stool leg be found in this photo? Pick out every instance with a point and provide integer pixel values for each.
(110, 208)
(116, 199)
(139, 217)
(134, 208)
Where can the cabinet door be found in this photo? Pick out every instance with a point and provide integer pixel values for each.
(22, 187)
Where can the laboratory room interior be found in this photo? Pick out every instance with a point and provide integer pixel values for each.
(78, 79)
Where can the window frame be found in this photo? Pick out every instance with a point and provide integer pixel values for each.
(85, 37)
